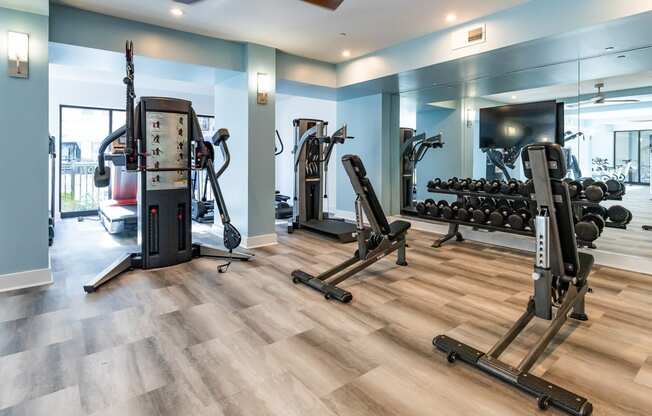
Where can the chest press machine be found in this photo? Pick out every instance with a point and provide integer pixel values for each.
(375, 243)
(560, 280)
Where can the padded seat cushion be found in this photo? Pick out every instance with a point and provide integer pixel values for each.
(586, 264)
(397, 228)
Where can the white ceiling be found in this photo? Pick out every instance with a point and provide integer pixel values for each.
(300, 28)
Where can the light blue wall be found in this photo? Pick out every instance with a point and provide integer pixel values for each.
(248, 184)
(24, 156)
(78, 27)
(373, 121)
(262, 124)
(440, 163)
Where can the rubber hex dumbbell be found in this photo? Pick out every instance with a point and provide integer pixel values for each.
(462, 184)
(519, 219)
(513, 187)
(460, 212)
(499, 216)
(589, 227)
(587, 182)
(477, 185)
(421, 208)
(452, 182)
(615, 188)
(574, 188)
(528, 189)
(437, 183)
(492, 187)
(481, 215)
(474, 202)
(432, 210)
(596, 192)
(597, 209)
(619, 214)
(445, 210)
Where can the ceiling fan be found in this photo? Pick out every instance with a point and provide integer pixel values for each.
(601, 98)
(328, 4)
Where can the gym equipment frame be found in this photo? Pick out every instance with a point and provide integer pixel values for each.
(560, 280)
(373, 244)
(313, 148)
(158, 135)
(413, 150)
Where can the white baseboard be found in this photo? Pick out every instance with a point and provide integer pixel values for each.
(248, 242)
(23, 280)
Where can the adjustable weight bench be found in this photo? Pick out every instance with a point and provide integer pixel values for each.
(374, 243)
(560, 280)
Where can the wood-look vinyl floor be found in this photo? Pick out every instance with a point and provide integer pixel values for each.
(188, 341)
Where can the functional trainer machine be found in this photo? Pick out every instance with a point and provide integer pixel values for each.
(312, 151)
(158, 133)
(560, 280)
(282, 209)
(413, 150)
(373, 244)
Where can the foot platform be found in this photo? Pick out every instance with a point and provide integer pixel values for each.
(329, 291)
(547, 394)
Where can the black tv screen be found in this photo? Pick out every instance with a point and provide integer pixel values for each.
(518, 125)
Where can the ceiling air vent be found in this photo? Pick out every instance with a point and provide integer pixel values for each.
(470, 35)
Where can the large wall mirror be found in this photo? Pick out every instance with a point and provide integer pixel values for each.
(599, 109)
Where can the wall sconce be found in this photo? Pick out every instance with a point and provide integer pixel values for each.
(18, 54)
(262, 92)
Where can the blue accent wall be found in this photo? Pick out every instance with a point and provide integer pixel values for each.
(24, 156)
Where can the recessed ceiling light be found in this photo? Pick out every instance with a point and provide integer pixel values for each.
(346, 53)
(514, 97)
(621, 56)
(451, 17)
(608, 48)
(176, 12)
(342, 33)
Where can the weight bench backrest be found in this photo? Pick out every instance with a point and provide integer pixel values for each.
(553, 188)
(365, 192)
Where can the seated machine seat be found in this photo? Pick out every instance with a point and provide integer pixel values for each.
(397, 228)
(586, 264)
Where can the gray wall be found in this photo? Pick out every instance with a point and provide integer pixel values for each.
(24, 156)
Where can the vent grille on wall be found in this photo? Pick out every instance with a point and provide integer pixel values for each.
(470, 35)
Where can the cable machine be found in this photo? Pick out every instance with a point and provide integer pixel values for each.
(158, 137)
(312, 151)
(413, 150)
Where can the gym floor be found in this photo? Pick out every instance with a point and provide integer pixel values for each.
(188, 341)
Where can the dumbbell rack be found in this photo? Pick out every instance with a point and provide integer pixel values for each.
(454, 224)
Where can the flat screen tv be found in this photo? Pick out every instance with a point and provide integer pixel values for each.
(517, 125)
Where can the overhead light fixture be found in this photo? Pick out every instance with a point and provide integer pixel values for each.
(346, 53)
(263, 88)
(621, 56)
(451, 17)
(609, 48)
(18, 54)
(514, 97)
(177, 12)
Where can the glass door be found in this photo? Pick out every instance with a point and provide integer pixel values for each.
(646, 141)
(82, 131)
(626, 156)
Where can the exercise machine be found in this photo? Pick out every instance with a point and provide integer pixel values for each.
(282, 209)
(374, 243)
(158, 137)
(413, 150)
(52, 153)
(119, 214)
(312, 151)
(560, 280)
(501, 159)
(203, 209)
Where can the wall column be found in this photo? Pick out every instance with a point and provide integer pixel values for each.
(248, 184)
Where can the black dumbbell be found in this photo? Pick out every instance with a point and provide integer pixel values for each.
(588, 182)
(437, 183)
(590, 227)
(616, 189)
(474, 202)
(445, 210)
(481, 215)
(597, 209)
(460, 212)
(492, 187)
(477, 185)
(596, 191)
(452, 182)
(574, 188)
(499, 216)
(619, 214)
(513, 187)
(421, 208)
(519, 219)
(528, 189)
